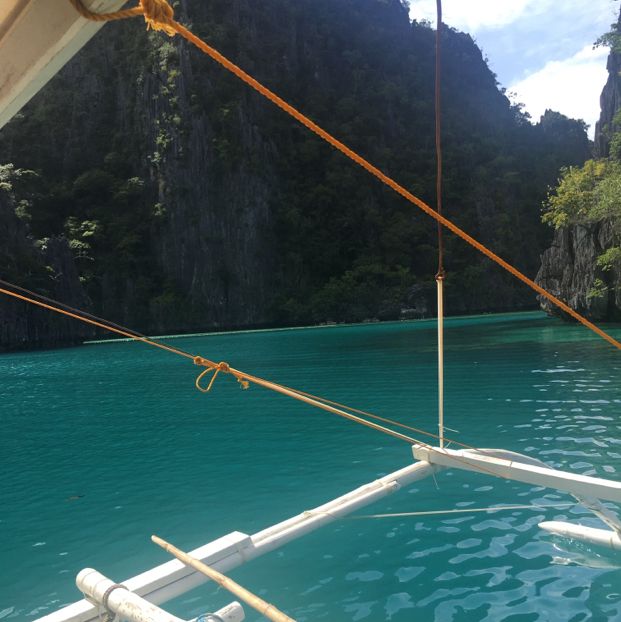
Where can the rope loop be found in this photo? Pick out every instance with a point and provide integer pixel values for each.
(212, 368)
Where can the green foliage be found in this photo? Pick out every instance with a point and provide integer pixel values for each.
(371, 291)
(587, 194)
(610, 39)
(577, 198)
(11, 176)
(22, 210)
(610, 259)
(598, 289)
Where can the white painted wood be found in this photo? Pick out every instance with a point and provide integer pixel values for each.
(469, 460)
(173, 578)
(603, 537)
(129, 606)
(605, 514)
(233, 612)
(37, 37)
(126, 604)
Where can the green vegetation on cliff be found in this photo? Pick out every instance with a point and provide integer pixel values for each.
(189, 202)
(589, 196)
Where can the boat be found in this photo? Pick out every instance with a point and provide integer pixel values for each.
(36, 38)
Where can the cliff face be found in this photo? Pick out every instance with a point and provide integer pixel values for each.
(569, 270)
(190, 203)
(610, 103)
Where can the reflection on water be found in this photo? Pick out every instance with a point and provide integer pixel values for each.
(104, 445)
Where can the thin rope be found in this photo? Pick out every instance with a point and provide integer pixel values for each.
(211, 367)
(386, 420)
(465, 511)
(152, 11)
(215, 368)
(242, 377)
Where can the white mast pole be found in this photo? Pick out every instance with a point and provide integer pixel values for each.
(440, 289)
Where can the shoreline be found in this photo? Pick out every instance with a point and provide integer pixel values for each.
(534, 313)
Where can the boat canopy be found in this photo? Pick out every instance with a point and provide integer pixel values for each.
(37, 37)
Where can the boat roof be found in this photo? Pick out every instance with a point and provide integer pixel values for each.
(37, 37)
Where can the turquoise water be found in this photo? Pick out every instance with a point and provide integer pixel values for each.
(103, 445)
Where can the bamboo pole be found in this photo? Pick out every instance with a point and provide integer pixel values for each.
(263, 607)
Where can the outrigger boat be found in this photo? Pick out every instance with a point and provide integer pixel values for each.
(37, 37)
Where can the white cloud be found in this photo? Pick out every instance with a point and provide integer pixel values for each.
(570, 86)
(472, 15)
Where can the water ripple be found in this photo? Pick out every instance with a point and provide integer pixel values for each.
(96, 459)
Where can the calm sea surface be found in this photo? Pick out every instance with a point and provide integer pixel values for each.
(104, 445)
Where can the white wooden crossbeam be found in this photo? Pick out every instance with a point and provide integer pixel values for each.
(469, 460)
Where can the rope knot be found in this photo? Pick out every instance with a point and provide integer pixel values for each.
(212, 368)
(159, 15)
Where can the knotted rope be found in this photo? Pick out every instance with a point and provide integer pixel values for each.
(215, 369)
(158, 14)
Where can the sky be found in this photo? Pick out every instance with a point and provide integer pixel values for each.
(540, 50)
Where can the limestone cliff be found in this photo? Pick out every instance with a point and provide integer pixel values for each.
(610, 103)
(569, 270)
(189, 203)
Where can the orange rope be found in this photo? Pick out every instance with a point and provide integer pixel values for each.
(159, 18)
